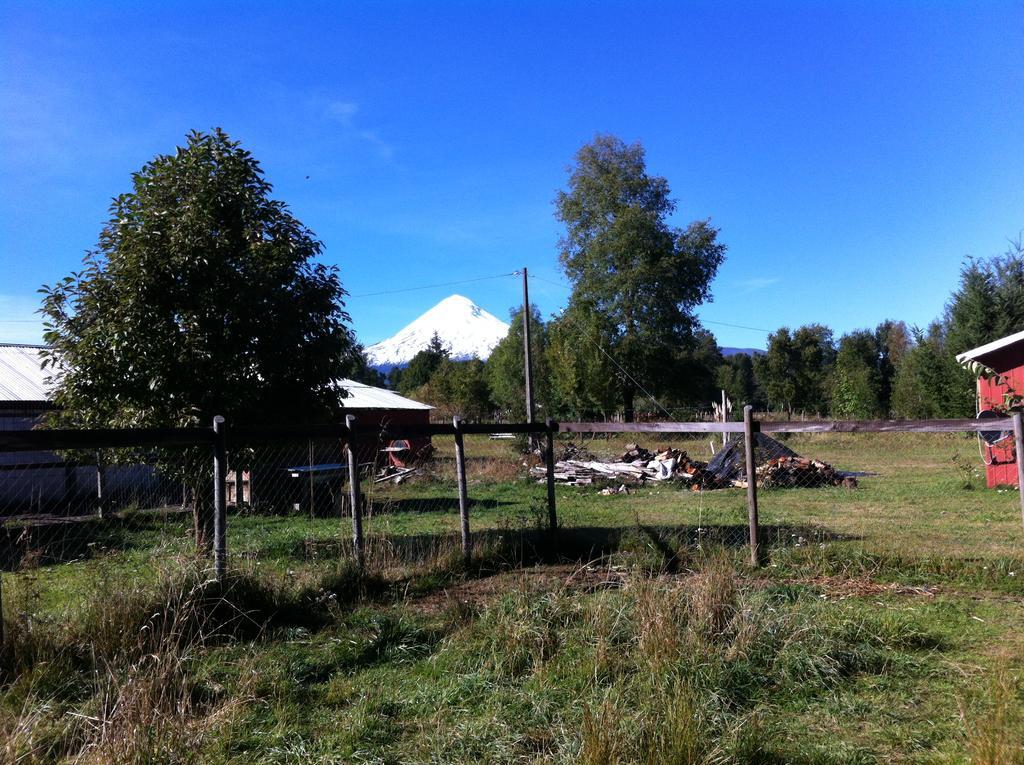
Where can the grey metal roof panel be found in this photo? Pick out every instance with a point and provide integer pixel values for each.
(362, 396)
(22, 377)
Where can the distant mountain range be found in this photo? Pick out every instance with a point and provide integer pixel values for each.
(728, 351)
(464, 327)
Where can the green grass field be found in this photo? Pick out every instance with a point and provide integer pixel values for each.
(884, 627)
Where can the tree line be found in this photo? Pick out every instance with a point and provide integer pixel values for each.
(204, 295)
(629, 341)
(892, 370)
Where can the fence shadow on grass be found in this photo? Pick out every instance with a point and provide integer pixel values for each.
(47, 540)
(431, 505)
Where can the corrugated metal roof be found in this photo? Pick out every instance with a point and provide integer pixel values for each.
(999, 355)
(22, 377)
(362, 396)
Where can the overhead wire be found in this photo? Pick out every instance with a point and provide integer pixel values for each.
(432, 286)
(702, 320)
(597, 345)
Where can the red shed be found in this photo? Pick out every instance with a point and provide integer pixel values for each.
(378, 409)
(1000, 369)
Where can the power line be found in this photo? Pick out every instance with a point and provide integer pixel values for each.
(630, 377)
(432, 286)
(702, 321)
(737, 326)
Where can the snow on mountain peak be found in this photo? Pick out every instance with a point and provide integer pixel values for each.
(464, 327)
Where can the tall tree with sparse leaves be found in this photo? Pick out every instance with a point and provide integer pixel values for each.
(628, 265)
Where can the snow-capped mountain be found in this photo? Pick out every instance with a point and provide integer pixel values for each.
(466, 328)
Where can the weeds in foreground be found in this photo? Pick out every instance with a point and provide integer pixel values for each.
(995, 733)
(638, 667)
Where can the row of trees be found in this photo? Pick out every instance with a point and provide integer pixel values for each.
(892, 370)
(205, 296)
(629, 333)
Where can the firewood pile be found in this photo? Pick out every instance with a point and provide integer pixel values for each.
(779, 467)
(796, 472)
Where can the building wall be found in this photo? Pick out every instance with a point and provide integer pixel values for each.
(1003, 457)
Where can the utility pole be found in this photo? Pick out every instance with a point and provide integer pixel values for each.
(526, 348)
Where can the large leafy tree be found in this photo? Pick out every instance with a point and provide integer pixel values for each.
(627, 265)
(203, 296)
(794, 372)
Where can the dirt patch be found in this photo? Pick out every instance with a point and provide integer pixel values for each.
(479, 593)
(840, 588)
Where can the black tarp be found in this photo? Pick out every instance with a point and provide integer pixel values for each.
(730, 463)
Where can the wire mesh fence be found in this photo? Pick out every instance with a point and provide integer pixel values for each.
(68, 505)
(652, 497)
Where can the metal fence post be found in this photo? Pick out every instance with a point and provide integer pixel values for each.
(749, 428)
(1018, 437)
(552, 516)
(353, 493)
(219, 498)
(460, 473)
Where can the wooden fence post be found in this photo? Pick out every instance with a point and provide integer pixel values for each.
(460, 473)
(749, 428)
(552, 516)
(353, 493)
(101, 487)
(219, 498)
(1018, 437)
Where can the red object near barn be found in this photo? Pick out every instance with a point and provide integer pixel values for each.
(378, 409)
(1000, 369)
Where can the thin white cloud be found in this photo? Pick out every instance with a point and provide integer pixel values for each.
(344, 113)
(758, 283)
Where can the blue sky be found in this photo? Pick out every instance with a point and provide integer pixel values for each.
(851, 153)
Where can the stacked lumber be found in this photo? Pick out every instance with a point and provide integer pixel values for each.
(586, 472)
(637, 465)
